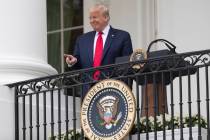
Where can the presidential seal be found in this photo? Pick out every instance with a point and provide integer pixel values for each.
(138, 54)
(108, 110)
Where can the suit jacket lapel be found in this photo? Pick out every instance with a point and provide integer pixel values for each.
(90, 44)
(108, 42)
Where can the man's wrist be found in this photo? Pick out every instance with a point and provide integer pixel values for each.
(70, 65)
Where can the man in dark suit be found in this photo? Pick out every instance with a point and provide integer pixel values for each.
(115, 42)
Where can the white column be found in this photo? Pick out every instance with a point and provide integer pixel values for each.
(23, 40)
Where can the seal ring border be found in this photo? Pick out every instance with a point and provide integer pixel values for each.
(124, 121)
(131, 115)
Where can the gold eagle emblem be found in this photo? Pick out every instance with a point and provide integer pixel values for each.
(137, 55)
(107, 109)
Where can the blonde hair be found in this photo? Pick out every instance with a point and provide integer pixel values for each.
(103, 8)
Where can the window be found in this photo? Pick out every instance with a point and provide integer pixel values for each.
(64, 25)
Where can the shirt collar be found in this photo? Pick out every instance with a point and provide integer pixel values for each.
(106, 30)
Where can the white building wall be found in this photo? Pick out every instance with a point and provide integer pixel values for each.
(186, 24)
(7, 119)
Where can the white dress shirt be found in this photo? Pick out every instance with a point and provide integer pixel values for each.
(104, 36)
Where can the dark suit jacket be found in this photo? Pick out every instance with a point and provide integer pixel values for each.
(118, 44)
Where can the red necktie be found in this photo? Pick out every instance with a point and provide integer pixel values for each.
(98, 55)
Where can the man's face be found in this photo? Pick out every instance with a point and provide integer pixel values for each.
(97, 19)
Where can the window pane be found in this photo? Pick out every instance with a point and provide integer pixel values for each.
(54, 51)
(53, 15)
(73, 13)
(69, 41)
